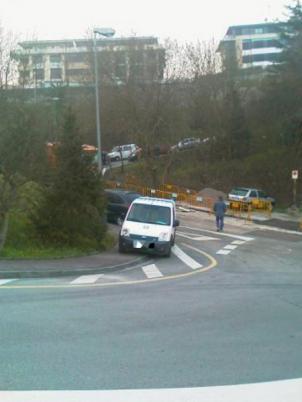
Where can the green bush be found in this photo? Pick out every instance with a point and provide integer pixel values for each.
(72, 209)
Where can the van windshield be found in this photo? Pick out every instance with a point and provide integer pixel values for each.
(240, 191)
(153, 214)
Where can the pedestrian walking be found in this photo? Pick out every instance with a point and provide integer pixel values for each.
(220, 210)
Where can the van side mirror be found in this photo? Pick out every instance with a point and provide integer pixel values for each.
(176, 223)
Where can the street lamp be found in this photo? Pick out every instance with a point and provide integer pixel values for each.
(108, 33)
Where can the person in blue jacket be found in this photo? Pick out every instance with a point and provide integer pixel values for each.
(220, 210)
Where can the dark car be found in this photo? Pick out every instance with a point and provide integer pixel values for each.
(118, 203)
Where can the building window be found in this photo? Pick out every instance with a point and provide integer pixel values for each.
(77, 75)
(75, 57)
(120, 58)
(24, 60)
(121, 72)
(56, 74)
(55, 58)
(38, 74)
(260, 44)
(256, 58)
(252, 30)
(37, 59)
(259, 31)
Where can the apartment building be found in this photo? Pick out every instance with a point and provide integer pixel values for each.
(250, 46)
(44, 64)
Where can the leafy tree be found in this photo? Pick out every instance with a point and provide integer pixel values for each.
(291, 34)
(72, 211)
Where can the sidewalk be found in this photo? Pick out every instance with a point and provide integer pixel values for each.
(107, 261)
(277, 220)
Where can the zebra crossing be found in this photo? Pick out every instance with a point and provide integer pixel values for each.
(185, 260)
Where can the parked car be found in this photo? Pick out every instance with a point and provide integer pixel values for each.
(188, 143)
(135, 154)
(118, 203)
(122, 152)
(249, 195)
(150, 224)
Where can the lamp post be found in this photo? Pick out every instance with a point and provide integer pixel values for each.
(108, 33)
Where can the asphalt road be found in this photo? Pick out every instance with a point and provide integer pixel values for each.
(238, 322)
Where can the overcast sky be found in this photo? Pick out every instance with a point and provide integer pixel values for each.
(178, 19)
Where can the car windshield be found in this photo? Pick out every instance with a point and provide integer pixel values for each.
(240, 192)
(153, 214)
(116, 149)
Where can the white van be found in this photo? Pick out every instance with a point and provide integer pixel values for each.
(150, 224)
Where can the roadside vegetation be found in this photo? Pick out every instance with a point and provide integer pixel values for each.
(252, 120)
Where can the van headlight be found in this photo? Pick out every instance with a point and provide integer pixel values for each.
(164, 236)
(125, 232)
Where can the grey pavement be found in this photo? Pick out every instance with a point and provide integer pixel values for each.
(240, 322)
(104, 262)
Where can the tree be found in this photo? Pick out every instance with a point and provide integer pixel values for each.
(291, 34)
(7, 63)
(72, 211)
(21, 155)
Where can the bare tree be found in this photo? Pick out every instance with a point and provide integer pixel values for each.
(191, 60)
(8, 66)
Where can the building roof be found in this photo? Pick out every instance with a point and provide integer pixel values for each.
(259, 25)
(80, 42)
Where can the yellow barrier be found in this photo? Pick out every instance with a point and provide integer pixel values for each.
(239, 208)
(190, 198)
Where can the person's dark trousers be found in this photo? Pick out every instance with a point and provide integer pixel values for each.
(220, 222)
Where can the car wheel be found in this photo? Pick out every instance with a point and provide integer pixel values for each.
(168, 252)
(173, 241)
(121, 248)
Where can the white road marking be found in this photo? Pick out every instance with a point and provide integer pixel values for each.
(238, 242)
(224, 252)
(151, 271)
(277, 391)
(196, 238)
(230, 247)
(239, 237)
(86, 279)
(5, 281)
(185, 258)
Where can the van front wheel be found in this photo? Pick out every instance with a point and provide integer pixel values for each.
(168, 251)
(121, 248)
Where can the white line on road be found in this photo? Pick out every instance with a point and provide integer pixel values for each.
(185, 258)
(278, 391)
(238, 242)
(239, 237)
(230, 247)
(5, 281)
(151, 271)
(223, 252)
(191, 236)
(86, 279)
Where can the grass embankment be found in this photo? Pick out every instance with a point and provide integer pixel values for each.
(195, 169)
(22, 244)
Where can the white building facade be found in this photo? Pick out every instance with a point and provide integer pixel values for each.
(257, 45)
(70, 62)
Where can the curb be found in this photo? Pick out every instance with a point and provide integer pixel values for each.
(52, 273)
